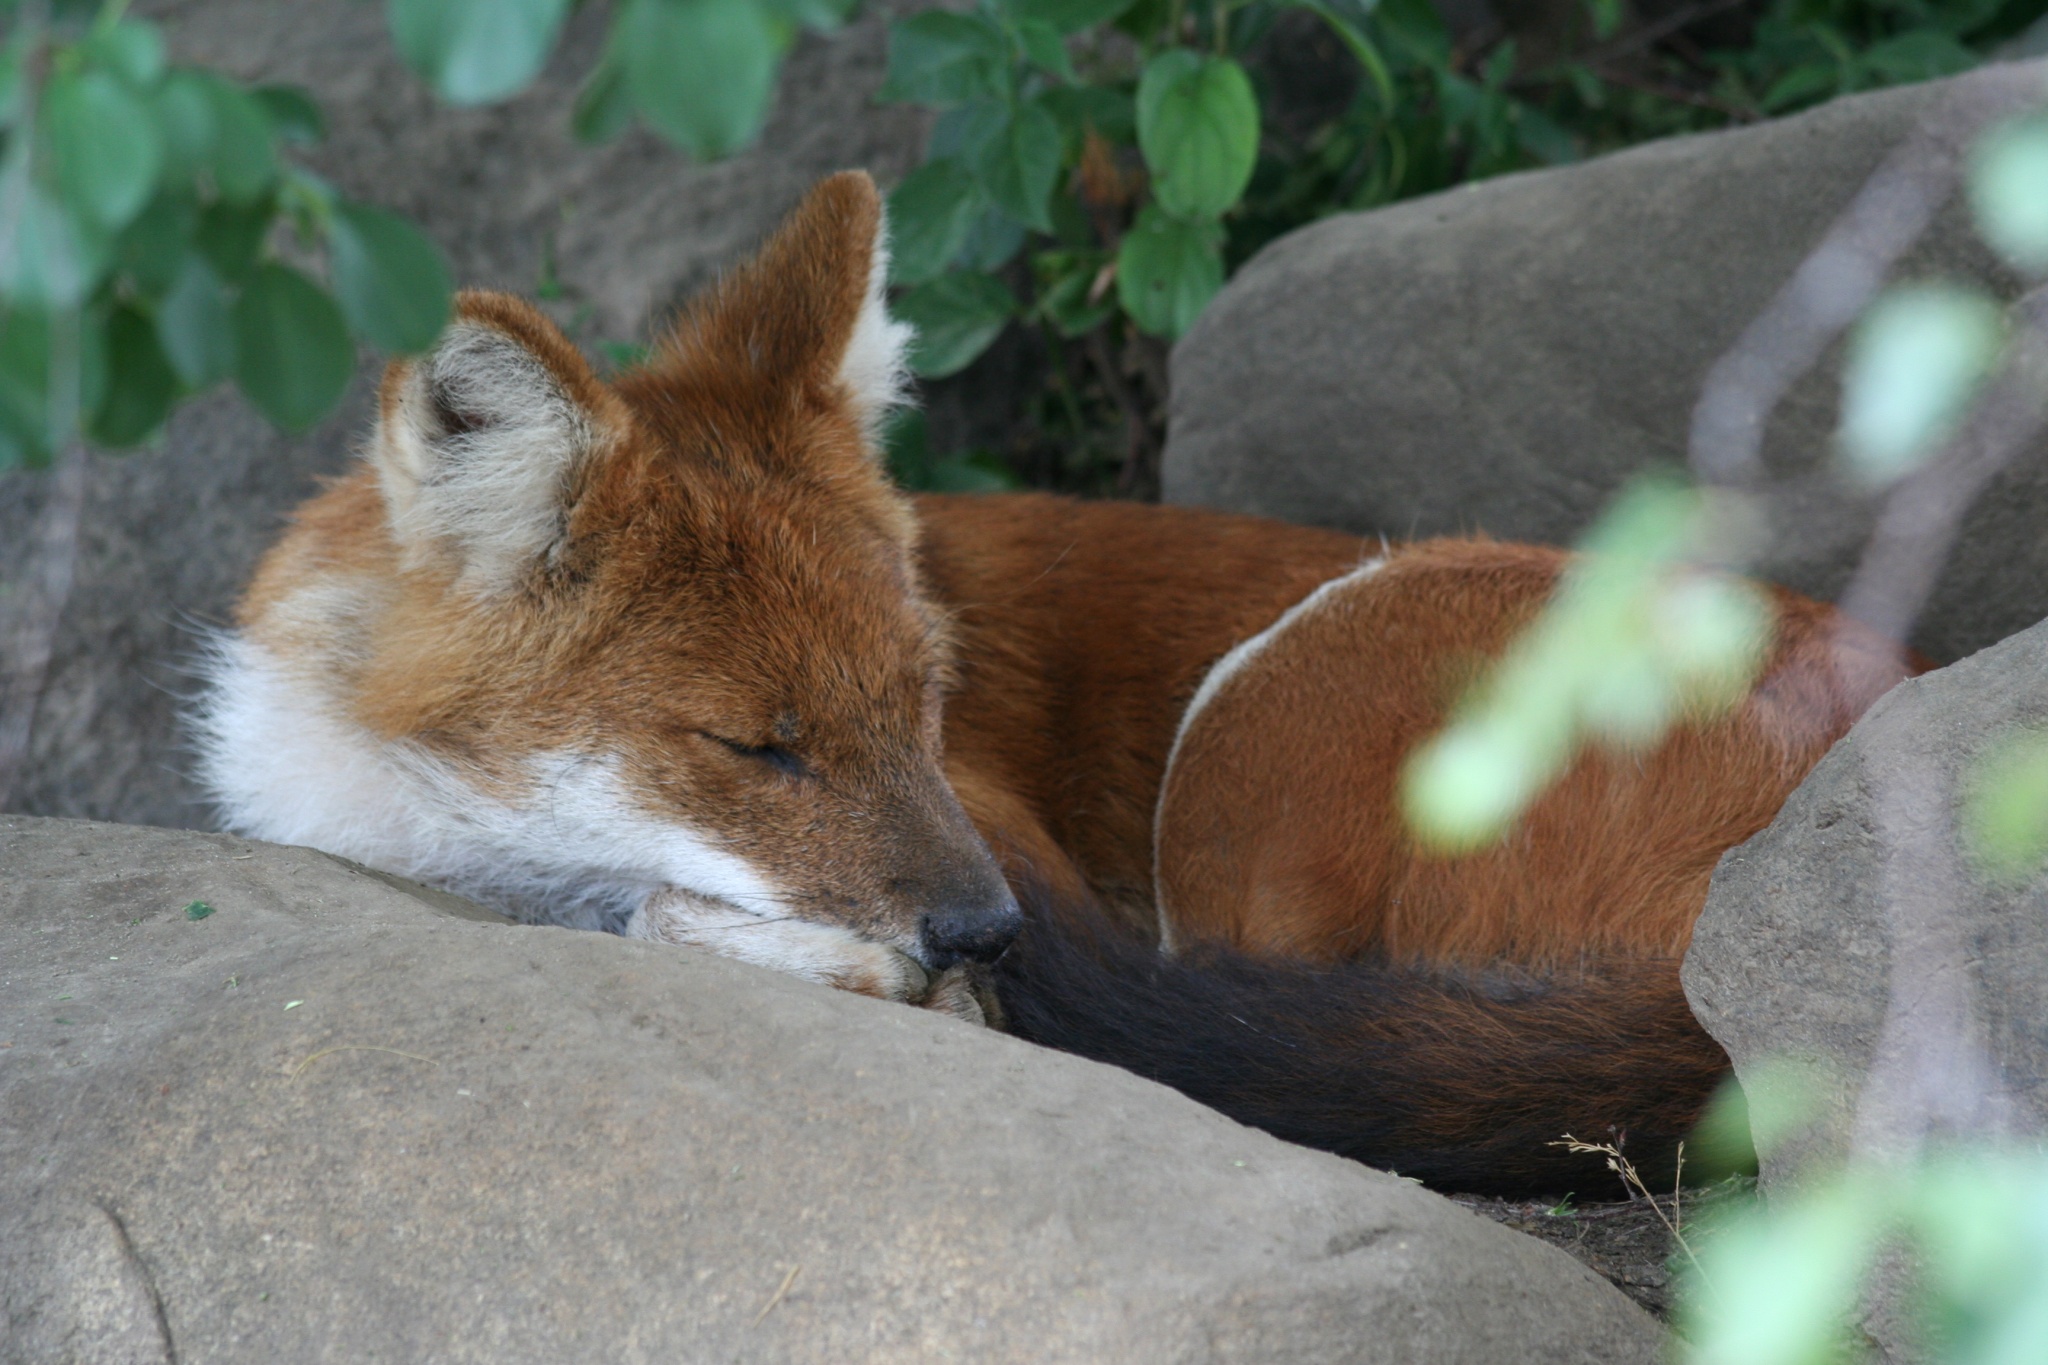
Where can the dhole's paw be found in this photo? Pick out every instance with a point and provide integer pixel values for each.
(876, 969)
(966, 992)
(825, 953)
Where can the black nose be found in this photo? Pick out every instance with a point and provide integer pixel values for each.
(970, 933)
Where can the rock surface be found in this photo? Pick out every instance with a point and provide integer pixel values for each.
(332, 1120)
(1852, 960)
(170, 535)
(1503, 356)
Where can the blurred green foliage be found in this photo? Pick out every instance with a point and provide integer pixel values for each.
(1635, 640)
(1956, 1233)
(1101, 166)
(156, 236)
(1968, 1224)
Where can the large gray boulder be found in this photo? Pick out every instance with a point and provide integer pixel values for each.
(1872, 985)
(336, 1119)
(1502, 357)
(170, 535)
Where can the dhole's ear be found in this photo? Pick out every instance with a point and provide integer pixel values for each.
(811, 307)
(479, 442)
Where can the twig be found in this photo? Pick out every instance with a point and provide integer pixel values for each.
(787, 1281)
(356, 1047)
(1831, 287)
(1676, 94)
(1137, 433)
(1922, 515)
(1655, 32)
(1677, 1191)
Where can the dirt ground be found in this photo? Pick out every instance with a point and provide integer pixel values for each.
(1628, 1241)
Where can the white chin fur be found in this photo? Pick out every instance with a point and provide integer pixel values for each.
(283, 764)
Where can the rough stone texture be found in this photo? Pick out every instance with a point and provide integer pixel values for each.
(584, 1148)
(1627, 1240)
(1502, 357)
(171, 534)
(1793, 958)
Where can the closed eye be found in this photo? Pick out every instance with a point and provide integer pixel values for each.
(774, 755)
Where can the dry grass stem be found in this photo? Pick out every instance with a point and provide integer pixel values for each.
(780, 1292)
(1632, 1181)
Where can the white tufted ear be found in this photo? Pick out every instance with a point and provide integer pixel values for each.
(479, 442)
(874, 367)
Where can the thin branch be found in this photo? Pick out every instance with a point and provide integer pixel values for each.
(1923, 514)
(1650, 34)
(1832, 287)
(1676, 94)
(1137, 432)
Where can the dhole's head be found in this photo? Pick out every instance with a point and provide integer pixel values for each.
(676, 620)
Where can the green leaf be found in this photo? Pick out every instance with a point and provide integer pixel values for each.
(1918, 55)
(1046, 48)
(2005, 806)
(476, 51)
(1069, 16)
(292, 353)
(198, 910)
(1543, 137)
(1016, 157)
(194, 326)
(152, 249)
(10, 81)
(391, 281)
(244, 160)
(992, 241)
(2009, 190)
(185, 121)
(1198, 126)
(700, 71)
(930, 215)
(24, 387)
(957, 316)
(140, 383)
(822, 15)
(1914, 364)
(131, 50)
(1167, 270)
(978, 471)
(942, 58)
(292, 113)
(1803, 85)
(1079, 108)
(103, 145)
(55, 258)
(1066, 289)
(604, 107)
(231, 236)
(915, 467)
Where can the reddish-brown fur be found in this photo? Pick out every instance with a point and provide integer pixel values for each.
(735, 570)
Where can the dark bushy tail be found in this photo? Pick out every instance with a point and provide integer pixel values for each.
(1460, 1082)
